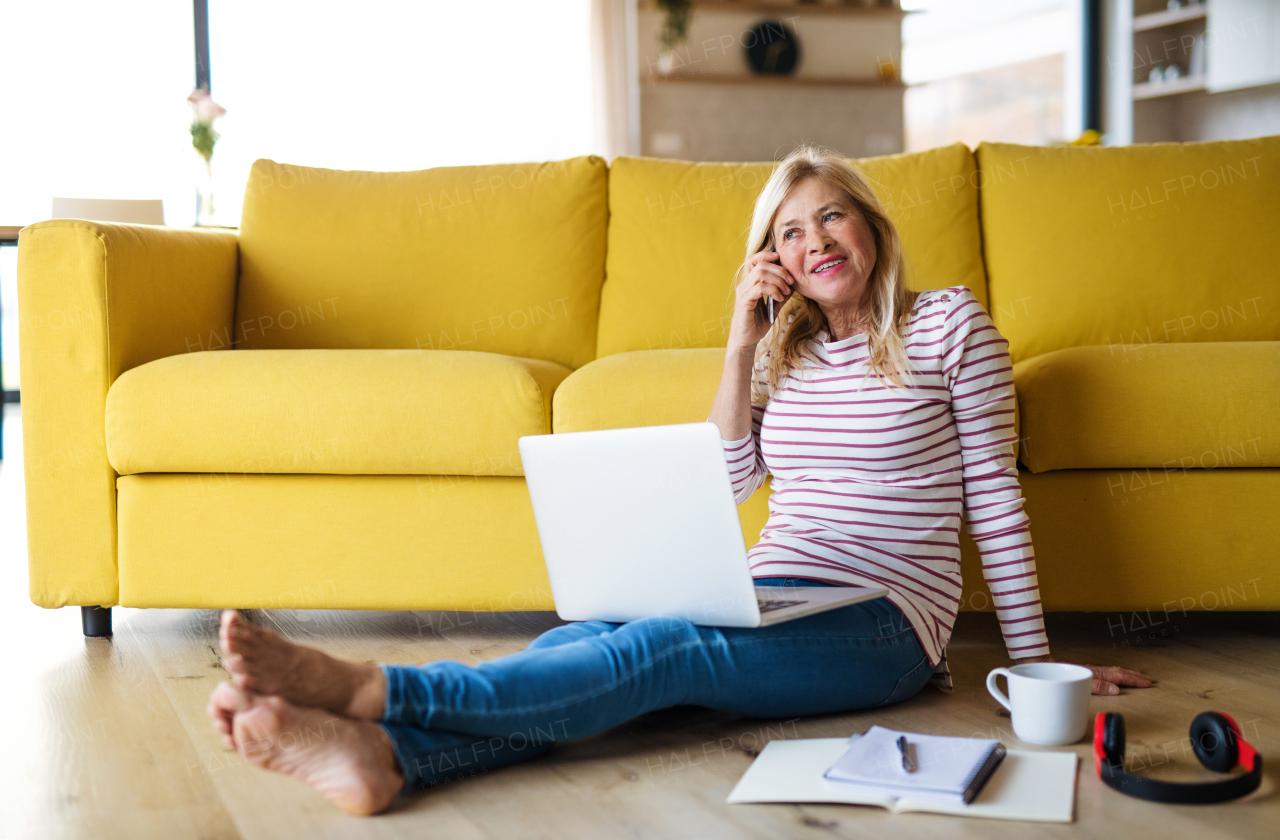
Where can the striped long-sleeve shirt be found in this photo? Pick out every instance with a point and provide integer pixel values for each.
(870, 481)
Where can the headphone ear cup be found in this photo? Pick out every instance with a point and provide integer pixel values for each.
(1214, 742)
(1113, 738)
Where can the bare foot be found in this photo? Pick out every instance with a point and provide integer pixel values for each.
(350, 762)
(262, 662)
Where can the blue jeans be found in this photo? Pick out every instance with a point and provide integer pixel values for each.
(448, 720)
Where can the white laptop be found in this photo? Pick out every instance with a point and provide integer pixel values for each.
(641, 522)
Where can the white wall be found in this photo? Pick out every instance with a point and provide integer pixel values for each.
(745, 122)
(95, 105)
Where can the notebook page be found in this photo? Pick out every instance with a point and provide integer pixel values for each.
(791, 771)
(1039, 786)
(943, 764)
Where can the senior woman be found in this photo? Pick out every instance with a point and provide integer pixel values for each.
(884, 416)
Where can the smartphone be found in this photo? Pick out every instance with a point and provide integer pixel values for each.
(769, 300)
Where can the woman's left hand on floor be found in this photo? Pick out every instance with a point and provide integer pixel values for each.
(1107, 679)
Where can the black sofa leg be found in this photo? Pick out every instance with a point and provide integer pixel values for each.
(96, 621)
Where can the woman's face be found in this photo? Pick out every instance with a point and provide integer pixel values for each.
(823, 240)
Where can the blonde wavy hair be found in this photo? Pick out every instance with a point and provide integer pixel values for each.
(800, 319)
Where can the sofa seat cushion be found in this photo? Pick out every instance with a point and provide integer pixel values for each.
(1171, 406)
(378, 412)
(642, 388)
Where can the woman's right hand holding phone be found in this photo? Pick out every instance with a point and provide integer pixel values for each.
(765, 278)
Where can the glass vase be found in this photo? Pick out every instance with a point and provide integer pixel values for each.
(205, 216)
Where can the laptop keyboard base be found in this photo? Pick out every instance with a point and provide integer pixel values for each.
(771, 604)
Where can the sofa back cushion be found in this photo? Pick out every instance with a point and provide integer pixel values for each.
(678, 230)
(505, 259)
(1132, 246)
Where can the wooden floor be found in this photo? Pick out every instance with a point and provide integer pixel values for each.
(108, 738)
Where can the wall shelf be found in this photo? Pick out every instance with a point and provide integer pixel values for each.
(1150, 90)
(766, 79)
(845, 94)
(782, 8)
(1154, 20)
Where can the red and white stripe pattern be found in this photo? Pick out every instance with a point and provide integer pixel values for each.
(870, 481)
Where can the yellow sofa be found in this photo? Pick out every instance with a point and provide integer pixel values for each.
(394, 334)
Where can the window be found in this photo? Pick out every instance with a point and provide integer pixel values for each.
(396, 85)
(9, 318)
(986, 70)
(97, 104)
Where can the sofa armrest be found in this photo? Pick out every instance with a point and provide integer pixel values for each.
(95, 300)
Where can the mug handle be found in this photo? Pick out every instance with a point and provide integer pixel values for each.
(995, 692)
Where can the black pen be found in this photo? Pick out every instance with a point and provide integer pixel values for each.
(907, 763)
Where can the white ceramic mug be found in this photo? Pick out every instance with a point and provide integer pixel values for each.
(1048, 701)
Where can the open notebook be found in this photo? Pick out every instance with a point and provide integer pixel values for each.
(1036, 786)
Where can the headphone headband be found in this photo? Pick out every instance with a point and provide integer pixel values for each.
(1217, 743)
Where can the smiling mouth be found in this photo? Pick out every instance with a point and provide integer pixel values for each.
(828, 266)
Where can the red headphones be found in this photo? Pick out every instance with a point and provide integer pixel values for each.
(1217, 742)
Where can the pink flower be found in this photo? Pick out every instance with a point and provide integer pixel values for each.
(206, 109)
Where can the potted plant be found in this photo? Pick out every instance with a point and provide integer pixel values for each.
(675, 29)
(203, 137)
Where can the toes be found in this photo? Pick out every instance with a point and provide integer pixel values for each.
(238, 636)
(223, 726)
(220, 717)
(229, 619)
(224, 703)
(233, 631)
(230, 698)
